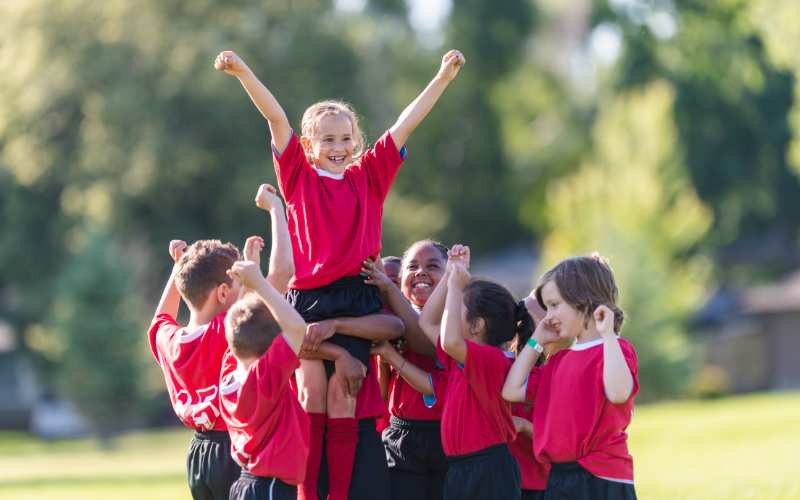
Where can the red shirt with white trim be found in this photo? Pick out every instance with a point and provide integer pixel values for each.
(533, 472)
(409, 404)
(335, 220)
(191, 362)
(269, 429)
(475, 416)
(573, 421)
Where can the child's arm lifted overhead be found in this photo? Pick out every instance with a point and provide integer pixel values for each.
(452, 337)
(422, 105)
(281, 262)
(266, 103)
(170, 301)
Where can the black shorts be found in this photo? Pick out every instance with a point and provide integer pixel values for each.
(370, 480)
(250, 487)
(488, 474)
(570, 480)
(346, 297)
(209, 466)
(417, 465)
(532, 494)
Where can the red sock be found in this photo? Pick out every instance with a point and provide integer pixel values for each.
(340, 441)
(307, 490)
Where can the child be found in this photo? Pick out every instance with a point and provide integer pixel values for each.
(268, 427)
(191, 356)
(391, 267)
(478, 318)
(417, 464)
(583, 396)
(335, 191)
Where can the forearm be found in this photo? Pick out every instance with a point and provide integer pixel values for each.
(290, 321)
(374, 327)
(453, 342)
(417, 378)
(617, 378)
(415, 112)
(269, 108)
(326, 351)
(170, 301)
(431, 316)
(415, 337)
(281, 261)
(515, 385)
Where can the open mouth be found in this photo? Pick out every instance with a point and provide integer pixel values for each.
(337, 160)
(421, 286)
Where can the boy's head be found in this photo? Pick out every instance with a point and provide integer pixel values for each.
(331, 136)
(581, 284)
(250, 328)
(202, 274)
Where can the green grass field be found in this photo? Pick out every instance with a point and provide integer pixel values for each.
(731, 449)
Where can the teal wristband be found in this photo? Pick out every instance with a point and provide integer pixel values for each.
(536, 346)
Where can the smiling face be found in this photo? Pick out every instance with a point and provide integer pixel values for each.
(423, 267)
(332, 143)
(565, 320)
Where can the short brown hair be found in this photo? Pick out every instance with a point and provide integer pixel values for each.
(585, 283)
(203, 267)
(250, 327)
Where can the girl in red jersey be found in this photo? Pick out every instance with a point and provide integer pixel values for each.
(583, 396)
(334, 190)
(417, 464)
(477, 318)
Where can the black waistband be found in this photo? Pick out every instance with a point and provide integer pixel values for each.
(565, 467)
(346, 282)
(216, 436)
(498, 449)
(252, 477)
(402, 423)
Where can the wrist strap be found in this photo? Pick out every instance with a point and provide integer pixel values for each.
(536, 346)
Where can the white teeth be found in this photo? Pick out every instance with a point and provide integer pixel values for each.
(422, 285)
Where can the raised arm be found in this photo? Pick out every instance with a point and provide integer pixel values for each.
(417, 378)
(170, 301)
(293, 326)
(375, 327)
(617, 377)
(413, 334)
(419, 108)
(452, 338)
(516, 380)
(281, 261)
(431, 317)
(263, 99)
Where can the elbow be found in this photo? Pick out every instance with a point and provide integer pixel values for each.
(509, 394)
(453, 346)
(619, 395)
(396, 327)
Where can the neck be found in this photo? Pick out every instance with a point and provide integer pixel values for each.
(588, 335)
(202, 316)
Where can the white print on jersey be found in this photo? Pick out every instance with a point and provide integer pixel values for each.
(200, 408)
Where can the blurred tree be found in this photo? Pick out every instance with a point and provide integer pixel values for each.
(632, 201)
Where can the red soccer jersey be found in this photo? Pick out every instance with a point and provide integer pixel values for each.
(369, 403)
(269, 429)
(409, 404)
(533, 473)
(475, 416)
(572, 418)
(191, 362)
(334, 221)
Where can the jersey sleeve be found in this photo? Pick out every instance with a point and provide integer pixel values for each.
(290, 165)
(438, 380)
(629, 353)
(275, 367)
(163, 324)
(380, 165)
(486, 368)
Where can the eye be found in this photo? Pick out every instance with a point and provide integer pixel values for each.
(327, 140)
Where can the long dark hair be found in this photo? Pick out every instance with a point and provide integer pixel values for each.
(505, 318)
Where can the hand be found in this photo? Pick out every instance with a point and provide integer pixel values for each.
(545, 333)
(352, 373)
(459, 253)
(604, 320)
(267, 198)
(375, 275)
(459, 276)
(383, 349)
(452, 62)
(522, 425)
(230, 63)
(176, 249)
(248, 272)
(252, 249)
(317, 333)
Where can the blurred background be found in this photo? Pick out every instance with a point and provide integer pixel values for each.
(664, 134)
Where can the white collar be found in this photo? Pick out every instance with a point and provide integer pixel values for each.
(582, 346)
(324, 173)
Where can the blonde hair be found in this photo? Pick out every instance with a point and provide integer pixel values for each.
(319, 110)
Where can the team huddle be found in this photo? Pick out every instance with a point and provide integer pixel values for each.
(343, 375)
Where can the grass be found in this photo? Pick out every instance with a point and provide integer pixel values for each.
(733, 449)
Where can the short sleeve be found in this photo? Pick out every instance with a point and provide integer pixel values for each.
(629, 353)
(161, 323)
(380, 165)
(486, 368)
(275, 367)
(290, 165)
(438, 380)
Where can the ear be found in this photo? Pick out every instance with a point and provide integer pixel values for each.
(222, 291)
(477, 327)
